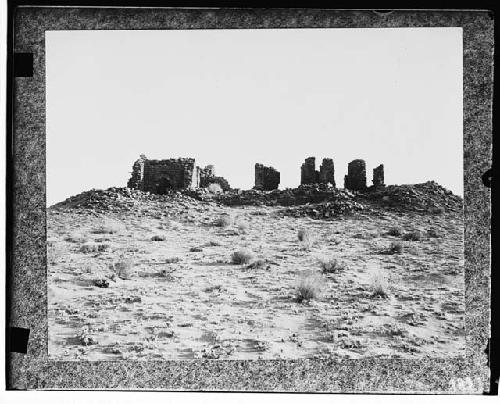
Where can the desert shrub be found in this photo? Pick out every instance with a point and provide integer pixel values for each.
(172, 260)
(123, 268)
(257, 264)
(379, 285)
(309, 286)
(196, 249)
(330, 265)
(396, 247)
(89, 248)
(433, 233)
(157, 237)
(212, 243)
(214, 188)
(242, 257)
(107, 228)
(214, 288)
(305, 238)
(395, 231)
(101, 283)
(414, 235)
(103, 247)
(242, 227)
(223, 221)
(75, 238)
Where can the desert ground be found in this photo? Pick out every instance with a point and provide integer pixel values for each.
(182, 278)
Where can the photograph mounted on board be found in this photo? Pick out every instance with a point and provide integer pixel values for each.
(255, 194)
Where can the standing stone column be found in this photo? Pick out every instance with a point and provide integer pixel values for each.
(266, 178)
(308, 173)
(355, 179)
(327, 172)
(378, 176)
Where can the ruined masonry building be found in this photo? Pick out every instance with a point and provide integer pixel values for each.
(266, 178)
(159, 176)
(355, 179)
(325, 175)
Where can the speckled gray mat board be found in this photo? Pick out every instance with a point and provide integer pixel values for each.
(34, 370)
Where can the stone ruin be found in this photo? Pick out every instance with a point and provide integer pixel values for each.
(309, 174)
(160, 176)
(266, 178)
(355, 179)
(378, 176)
(207, 177)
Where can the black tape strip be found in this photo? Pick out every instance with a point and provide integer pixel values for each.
(487, 177)
(23, 64)
(18, 341)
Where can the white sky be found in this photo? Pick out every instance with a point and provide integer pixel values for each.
(236, 97)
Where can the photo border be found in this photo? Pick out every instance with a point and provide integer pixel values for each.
(27, 279)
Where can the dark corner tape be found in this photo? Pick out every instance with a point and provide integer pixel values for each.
(23, 64)
(19, 339)
(487, 177)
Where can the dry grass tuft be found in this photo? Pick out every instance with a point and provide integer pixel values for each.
(330, 265)
(306, 238)
(89, 248)
(396, 247)
(380, 285)
(309, 286)
(242, 257)
(76, 238)
(258, 264)
(243, 227)
(414, 235)
(395, 231)
(123, 268)
(223, 221)
(108, 227)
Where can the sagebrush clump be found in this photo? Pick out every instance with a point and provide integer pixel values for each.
(379, 285)
(309, 286)
(305, 238)
(123, 268)
(396, 247)
(330, 265)
(107, 228)
(414, 235)
(395, 232)
(223, 221)
(242, 257)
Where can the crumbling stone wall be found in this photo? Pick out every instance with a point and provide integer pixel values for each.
(137, 176)
(159, 176)
(308, 172)
(266, 178)
(356, 175)
(378, 176)
(327, 172)
(207, 177)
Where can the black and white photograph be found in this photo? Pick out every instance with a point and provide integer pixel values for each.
(242, 194)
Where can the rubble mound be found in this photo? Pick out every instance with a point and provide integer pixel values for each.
(428, 197)
(342, 205)
(124, 199)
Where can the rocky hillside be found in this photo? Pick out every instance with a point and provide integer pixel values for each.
(317, 201)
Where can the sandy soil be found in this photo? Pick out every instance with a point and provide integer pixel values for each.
(203, 306)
